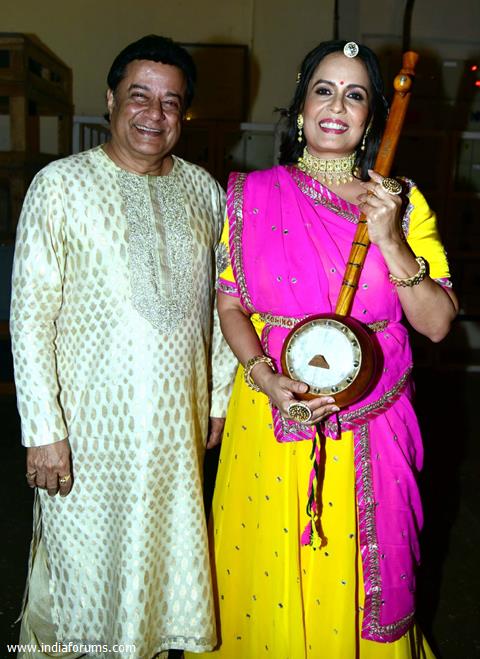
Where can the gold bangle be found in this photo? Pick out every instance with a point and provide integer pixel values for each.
(249, 366)
(415, 279)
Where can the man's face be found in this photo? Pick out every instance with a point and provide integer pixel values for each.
(146, 110)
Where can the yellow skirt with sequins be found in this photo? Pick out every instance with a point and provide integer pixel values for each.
(276, 598)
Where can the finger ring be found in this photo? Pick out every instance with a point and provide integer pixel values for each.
(391, 185)
(64, 479)
(299, 412)
(31, 474)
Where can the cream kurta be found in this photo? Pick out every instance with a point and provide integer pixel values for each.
(111, 328)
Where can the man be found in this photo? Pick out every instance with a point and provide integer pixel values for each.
(111, 321)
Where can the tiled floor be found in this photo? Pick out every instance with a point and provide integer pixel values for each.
(449, 609)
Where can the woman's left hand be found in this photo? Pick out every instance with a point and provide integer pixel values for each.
(382, 210)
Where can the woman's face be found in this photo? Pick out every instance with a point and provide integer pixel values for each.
(336, 108)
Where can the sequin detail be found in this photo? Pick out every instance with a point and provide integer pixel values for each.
(222, 258)
(227, 287)
(409, 185)
(443, 281)
(162, 295)
(378, 326)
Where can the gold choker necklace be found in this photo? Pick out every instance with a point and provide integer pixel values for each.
(336, 170)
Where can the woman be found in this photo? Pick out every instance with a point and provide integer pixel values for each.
(321, 564)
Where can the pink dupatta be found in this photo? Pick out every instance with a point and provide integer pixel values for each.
(289, 241)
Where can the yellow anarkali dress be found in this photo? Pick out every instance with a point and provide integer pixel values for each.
(276, 598)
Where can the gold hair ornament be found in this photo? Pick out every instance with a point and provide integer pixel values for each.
(351, 49)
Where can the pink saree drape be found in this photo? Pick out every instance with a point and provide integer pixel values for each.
(289, 242)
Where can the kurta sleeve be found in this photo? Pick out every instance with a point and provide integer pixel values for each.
(224, 362)
(37, 285)
(424, 239)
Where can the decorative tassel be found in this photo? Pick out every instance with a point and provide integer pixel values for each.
(313, 533)
(307, 535)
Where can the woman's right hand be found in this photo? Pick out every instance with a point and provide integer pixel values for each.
(281, 390)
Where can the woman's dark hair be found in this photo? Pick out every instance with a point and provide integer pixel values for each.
(291, 149)
(155, 49)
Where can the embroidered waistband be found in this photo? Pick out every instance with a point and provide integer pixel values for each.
(280, 321)
(378, 325)
(289, 322)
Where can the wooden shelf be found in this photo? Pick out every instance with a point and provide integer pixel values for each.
(34, 83)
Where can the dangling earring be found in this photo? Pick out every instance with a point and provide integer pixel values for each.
(300, 127)
(365, 135)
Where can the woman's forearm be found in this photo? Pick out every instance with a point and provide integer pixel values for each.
(429, 308)
(239, 334)
(242, 338)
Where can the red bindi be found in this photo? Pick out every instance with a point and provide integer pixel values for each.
(341, 82)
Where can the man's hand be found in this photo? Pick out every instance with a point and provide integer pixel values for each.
(49, 468)
(215, 431)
